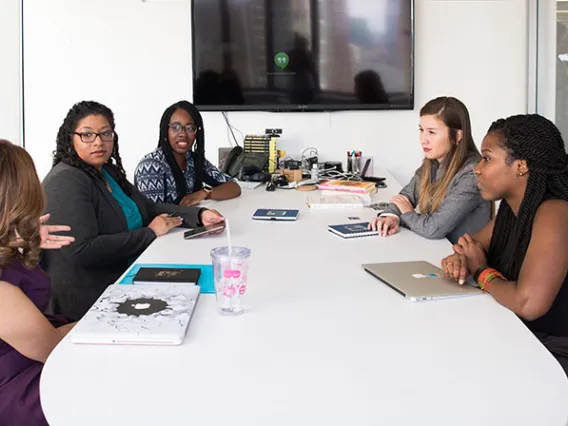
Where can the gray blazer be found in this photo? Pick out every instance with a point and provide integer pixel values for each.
(462, 211)
(103, 244)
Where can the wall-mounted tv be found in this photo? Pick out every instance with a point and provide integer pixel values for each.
(302, 55)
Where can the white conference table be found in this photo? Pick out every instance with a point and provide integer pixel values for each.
(322, 342)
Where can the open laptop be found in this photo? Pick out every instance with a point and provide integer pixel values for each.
(152, 314)
(419, 280)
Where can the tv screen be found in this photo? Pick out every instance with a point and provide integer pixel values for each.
(302, 55)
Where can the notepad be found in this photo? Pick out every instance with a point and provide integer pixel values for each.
(169, 275)
(352, 230)
(206, 281)
(276, 214)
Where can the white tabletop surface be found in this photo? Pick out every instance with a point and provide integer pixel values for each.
(321, 343)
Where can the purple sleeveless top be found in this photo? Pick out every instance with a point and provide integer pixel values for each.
(19, 376)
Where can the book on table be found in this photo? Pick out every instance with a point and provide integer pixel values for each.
(160, 275)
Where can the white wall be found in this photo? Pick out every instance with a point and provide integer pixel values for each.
(10, 126)
(134, 56)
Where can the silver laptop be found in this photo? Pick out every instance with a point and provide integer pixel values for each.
(419, 280)
(152, 314)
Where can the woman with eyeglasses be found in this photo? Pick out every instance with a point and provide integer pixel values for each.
(112, 222)
(177, 171)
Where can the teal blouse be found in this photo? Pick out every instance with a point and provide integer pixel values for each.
(128, 206)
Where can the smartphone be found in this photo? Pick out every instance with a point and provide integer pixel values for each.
(204, 230)
(379, 206)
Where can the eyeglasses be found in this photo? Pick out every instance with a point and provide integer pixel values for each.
(89, 137)
(190, 129)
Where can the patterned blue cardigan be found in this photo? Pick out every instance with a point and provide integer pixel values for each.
(154, 178)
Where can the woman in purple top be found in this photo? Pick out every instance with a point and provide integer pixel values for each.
(27, 336)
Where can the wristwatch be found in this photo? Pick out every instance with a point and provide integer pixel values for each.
(208, 191)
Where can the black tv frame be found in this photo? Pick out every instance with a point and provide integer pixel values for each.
(308, 107)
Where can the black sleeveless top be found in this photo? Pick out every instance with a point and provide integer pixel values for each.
(555, 321)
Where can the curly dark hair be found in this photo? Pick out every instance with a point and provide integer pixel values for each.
(22, 201)
(538, 141)
(65, 151)
(198, 148)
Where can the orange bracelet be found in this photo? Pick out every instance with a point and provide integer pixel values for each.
(488, 275)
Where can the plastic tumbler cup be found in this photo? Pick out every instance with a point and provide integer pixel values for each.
(230, 274)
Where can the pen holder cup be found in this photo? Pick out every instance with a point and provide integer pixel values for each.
(354, 165)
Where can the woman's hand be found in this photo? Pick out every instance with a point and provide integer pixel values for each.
(211, 217)
(194, 198)
(473, 251)
(402, 203)
(162, 224)
(456, 267)
(386, 225)
(49, 241)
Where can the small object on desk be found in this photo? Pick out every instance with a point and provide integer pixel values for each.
(167, 276)
(333, 165)
(293, 175)
(351, 186)
(248, 184)
(204, 230)
(205, 281)
(306, 187)
(352, 230)
(379, 206)
(335, 201)
(373, 179)
(276, 214)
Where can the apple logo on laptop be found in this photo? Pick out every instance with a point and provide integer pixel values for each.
(420, 276)
(141, 306)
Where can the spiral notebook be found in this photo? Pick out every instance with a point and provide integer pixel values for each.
(352, 230)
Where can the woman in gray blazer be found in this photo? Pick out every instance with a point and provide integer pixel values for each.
(111, 221)
(442, 199)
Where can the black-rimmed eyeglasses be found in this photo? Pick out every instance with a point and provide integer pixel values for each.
(190, 129)
(89, 137)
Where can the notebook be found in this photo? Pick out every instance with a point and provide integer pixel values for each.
(156, 314)
(419, 280)
(206, 281)
(276, 214)
(352, 230)
(167, 275)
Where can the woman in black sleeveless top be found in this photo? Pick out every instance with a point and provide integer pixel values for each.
(521, 256)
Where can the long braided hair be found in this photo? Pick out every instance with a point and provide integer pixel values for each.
(65, 151)
(538, 141)
(198, 147)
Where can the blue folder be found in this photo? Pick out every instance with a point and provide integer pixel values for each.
(206, 280)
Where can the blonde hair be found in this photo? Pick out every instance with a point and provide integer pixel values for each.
(22, 201)
(455, 115)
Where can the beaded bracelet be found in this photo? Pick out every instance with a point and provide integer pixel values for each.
(486, 275)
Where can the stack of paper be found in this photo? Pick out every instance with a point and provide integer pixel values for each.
(335, 201)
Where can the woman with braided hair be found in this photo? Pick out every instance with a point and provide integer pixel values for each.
(112, 222)
(521, 256)
(177, 171)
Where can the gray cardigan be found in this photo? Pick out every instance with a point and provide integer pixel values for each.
(103, 244)
(462, 211)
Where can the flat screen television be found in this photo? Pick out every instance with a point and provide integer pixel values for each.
(302, 55)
